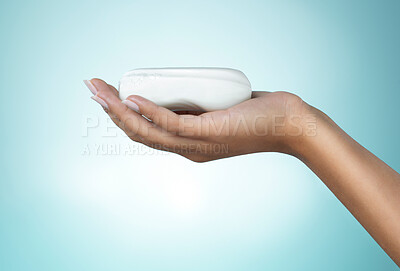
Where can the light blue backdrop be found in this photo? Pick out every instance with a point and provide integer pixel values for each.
(62, 209)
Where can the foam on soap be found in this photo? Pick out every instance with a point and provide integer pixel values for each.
(203, 89)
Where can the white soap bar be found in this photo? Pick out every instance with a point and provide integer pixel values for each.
(198, 89)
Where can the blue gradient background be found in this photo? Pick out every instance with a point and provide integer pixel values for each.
(61, 210)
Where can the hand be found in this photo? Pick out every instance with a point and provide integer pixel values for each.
(267, 122)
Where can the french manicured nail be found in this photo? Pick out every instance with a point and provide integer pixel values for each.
(131, 105)
(100, 101)
(90, 86)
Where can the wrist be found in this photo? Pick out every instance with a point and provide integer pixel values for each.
(303, 130)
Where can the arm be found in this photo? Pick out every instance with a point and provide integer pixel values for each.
(368, 187)
(278, 122)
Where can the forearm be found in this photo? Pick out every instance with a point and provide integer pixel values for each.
(368, 187)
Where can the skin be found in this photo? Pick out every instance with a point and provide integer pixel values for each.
(273, 122)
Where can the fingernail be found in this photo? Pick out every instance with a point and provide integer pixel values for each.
(100, 101)
(131, 105)
(90, 86)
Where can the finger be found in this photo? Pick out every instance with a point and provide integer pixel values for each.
(161, 116)
(130, 121)
(133, 136)
(113, 88)
(117, 121)
(147, 133)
